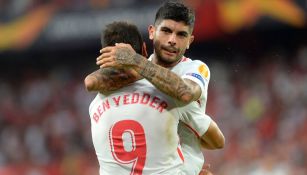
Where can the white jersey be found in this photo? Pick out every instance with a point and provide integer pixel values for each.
(196, 121)
(134, 131)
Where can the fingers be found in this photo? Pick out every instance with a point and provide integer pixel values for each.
(106, 49)
(112, 48)
(122, 44)
(110, 57)
(107, 64)
(104, 61)
(104, 56)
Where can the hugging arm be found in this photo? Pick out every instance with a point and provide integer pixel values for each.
(122, 55)
(107, 79)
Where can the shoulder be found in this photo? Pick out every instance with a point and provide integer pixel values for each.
(190, 62)
(198, 66)
(199, 63)
(93, 103)
(202, 68)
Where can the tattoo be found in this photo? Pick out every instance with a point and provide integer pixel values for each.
(138, 59)
(166, 81)
(96, 79)
(148, 71)
(110, 79)
(163, 79)
(125, 56)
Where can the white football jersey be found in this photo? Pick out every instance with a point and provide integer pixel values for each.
(134, 131)
(195, 122)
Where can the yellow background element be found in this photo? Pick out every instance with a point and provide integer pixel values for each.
(21, 33)
(237, 14)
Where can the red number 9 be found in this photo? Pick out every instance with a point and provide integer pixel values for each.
(128, 144)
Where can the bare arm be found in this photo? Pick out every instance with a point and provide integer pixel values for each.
(107, 79)
(213, 138)
(168, 82)
(163, 79)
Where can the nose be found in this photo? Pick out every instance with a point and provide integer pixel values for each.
(172, 40)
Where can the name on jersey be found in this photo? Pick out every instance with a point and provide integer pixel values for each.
(130, 99)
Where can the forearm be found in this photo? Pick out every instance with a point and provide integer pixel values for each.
(105, 80)
(165, 80)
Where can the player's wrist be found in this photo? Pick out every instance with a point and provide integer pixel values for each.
(141, 65)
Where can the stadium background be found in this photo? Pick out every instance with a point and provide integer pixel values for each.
(256, 51)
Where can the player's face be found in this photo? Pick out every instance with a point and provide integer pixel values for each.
(170, 40)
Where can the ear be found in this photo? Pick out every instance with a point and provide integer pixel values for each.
(144, 50)
(190, 41)
(151, 31)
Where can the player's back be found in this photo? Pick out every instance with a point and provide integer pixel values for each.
(134, 131)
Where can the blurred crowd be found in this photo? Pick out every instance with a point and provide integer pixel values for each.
(44, 124)
(12, 8)
(260, 107)
(262, 110)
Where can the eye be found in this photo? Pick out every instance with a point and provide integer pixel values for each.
(182, 34)
(166, 30)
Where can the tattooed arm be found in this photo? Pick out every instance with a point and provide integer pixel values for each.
(164, 79)
(107, 79)
(167, 81)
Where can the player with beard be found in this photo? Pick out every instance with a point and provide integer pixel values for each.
(184, 79)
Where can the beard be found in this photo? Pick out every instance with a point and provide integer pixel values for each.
(162, 60)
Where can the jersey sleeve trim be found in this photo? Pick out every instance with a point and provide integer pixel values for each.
(191, 129)
(197, 79)
(199, 126)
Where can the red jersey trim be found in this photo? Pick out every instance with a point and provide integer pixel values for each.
(188, 126)
(183, 59)
(180, 154)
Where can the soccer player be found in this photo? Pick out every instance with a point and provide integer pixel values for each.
(134, 129)
(172, 35)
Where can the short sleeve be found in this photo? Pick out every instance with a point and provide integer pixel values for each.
(198, 72)
(195, 118)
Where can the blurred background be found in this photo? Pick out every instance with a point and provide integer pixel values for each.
(256, 51)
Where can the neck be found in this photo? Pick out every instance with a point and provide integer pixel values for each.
(163, 63)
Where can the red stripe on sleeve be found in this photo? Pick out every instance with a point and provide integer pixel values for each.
(180, 154)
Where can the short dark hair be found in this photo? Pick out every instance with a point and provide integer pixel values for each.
(177, 11)
(122, 32)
